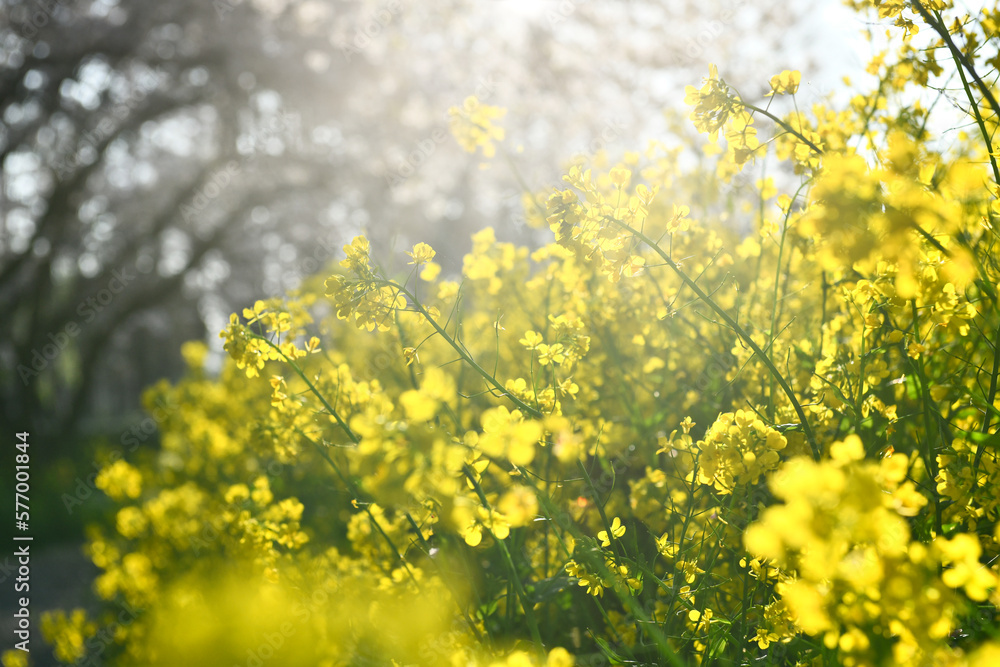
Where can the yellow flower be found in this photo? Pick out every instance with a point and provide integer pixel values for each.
(764, 638)
(713, 103)
(594, 584)
(67, 632)
(620, 177)
(962, 554)
(261, 494)
(130, 522)
(531, 340)
(488, 519)
(473, 126)
(278, 394)
(249, 352)
(236, 494)
(850, 449)
(559, 657)
(357, 259)
(421, 254)
(507, 433)
(18, 658)
(690, 570)
(617, 530)
(254, 314)
(120, 481)
(987, 655)
(568, 388)
(550, 354)
(419, 406)
(519, 505)
(679, 221)
(430, 271)
(786, 82)
(194, 352)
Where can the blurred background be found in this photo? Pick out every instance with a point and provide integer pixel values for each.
(163, 164)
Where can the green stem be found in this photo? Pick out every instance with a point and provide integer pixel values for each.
(298, 371)
(990, 398)
(774, 316)
(454, 595)
(859, 398)
(740, 331)
(628, 601)
(529, 612)
(600, 508)
(928, 409)
(964, 65)
(364, 504)
(524, 407)
(354, 437)
(785, 126)
(940, 29)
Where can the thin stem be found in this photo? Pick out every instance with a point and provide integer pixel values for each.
(940, 29)
(653, 630)
(774, 314)
(990, 398)
(740, 331)
(529, 613)
(600, 508)
(785, 126)
(427, 547)
(298, 371)
(364, 504)
(965, 65)
(927, 406)
(534, 412)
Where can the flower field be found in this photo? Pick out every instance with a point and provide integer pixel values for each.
(741, 408)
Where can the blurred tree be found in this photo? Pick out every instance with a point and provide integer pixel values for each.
(165, 163)
(125, 191)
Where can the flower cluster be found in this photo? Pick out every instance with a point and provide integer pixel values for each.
(651, 440)
(737, 449)
(474, 127)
